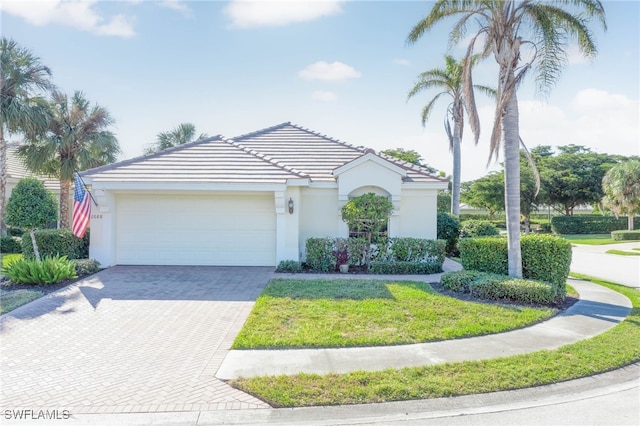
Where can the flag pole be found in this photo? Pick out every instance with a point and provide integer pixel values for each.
(86, 189)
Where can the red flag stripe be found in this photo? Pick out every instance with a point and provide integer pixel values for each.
(81, 215)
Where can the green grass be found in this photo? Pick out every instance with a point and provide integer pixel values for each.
(618, 347)
(10, 257)
(345, 313)
(636, 248)
(623, 253)
(590, 239)
(10, 300)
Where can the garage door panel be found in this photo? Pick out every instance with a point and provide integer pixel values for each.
(195, 230)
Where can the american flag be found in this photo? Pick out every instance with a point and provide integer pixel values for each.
(81, 209)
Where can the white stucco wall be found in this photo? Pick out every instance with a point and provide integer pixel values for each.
(418, 214)
(319, 215)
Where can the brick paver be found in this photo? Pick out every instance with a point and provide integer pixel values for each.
(129, 339)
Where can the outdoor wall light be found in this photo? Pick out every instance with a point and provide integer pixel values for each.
(290, 205)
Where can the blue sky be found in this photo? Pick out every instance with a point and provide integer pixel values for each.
(341, 68)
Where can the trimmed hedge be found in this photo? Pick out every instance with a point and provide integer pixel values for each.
(478, 228)
(56, 242)
(590, 224)
(408, 249)
(625, 235)
(86, 266)
(500, 287)
(448, 230)
(544, 257)
(289, 266)
(402, 267)
(10, 244)
(320, 256)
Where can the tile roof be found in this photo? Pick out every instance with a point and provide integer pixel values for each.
(17, 170)
(271, 155)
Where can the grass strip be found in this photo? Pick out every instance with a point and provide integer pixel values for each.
(590, 239)
(345, 313)
(617, 347)
(10, 300)
(623, 253)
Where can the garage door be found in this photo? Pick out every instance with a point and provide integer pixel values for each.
(195, 230)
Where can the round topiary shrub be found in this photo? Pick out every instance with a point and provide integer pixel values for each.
(478, 228)
(449, 230)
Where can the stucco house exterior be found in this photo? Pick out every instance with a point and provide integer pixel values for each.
(252, 200)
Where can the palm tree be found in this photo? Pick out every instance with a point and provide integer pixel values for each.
(621, 185)
(184, 133)
(76, 139)
(450, 80)
(505, 26)
(22, 77)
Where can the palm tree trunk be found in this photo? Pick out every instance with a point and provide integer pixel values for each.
(511, 133)
(3, 177)
(630, 220)
(455, 190)
(65, 186)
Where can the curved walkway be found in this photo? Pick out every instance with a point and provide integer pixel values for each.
(598, 310)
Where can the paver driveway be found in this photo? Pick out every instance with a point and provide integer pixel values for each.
(130, 339)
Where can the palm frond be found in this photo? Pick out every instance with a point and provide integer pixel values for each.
(532, 164)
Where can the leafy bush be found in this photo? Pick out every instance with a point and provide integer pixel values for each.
(57, 242)
(625, 235)
(478, 228)
(399, 267)
(408, 249)
(10, 245)
(356, 247)
(590, 224)
(86, 266)
(459, 281)
(544, 257)
(448, 230)
(320, 254)
(14, 231)
(500, 287)
(50, 270)
(289, 266)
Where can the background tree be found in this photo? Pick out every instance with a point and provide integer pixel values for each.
(22, 110)
(573, 177)
(621, 185)
(486, 192)
(184, 133)
(507, 27)
(449, 81)
(410, 156)
(76, 139)
(31, 206)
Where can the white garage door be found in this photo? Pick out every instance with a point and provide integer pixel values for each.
(195, 230)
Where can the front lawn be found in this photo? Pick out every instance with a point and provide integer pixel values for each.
(618, 347)
(623, 252)
(590, 239)
(343, 313)
(9, 300)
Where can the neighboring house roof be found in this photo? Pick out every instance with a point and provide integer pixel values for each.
(272, 155)
(16, 170)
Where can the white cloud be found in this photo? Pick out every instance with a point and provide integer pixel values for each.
(268, 13)
(403, 62)
(334, 71)
(178, 6)
(324, 96)
(574, 56)
(76, 14)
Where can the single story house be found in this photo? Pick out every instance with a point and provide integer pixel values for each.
(16, 170)
(252, 200)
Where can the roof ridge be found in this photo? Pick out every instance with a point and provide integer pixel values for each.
(151, 155)
(258, 132)
(265, 157)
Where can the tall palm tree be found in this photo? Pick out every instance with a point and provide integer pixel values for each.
(76, 139)
(621, 185)
(509, 27)
(449, 80)
(184, 133)
(22, 78)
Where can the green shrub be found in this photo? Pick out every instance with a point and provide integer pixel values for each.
(14, 231)
(320, 255)
(50, 270)
(590, 224)
(86, 266)
(10, 244)
(625, 235)
(448, 230)
(356, 248)
(478, 228)
(544, 257)
(459, 281)
(500, 287)
(57, 242)
(401, 268)
(407, 249)
(289, 266)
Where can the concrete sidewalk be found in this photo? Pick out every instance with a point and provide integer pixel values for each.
(598, 310)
